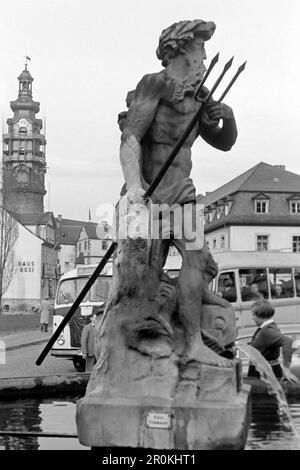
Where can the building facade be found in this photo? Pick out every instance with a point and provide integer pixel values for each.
(67, 234)
(36, 262)
(93, 242)
(24, 163)
(258, 210)
(81, 242)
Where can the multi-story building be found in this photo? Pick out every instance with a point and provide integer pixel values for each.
(36, 263)
(93, 242)
(81, 242)
(258, 210)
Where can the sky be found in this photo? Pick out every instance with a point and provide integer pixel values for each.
(87, 54)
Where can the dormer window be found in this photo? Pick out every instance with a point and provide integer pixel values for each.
(212, 215)
(295, 206)
(261, 204)
(261, 207)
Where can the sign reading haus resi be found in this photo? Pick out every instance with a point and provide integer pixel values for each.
(26, 266)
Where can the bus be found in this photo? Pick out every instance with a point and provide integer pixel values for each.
(68, 344)
(246, 276)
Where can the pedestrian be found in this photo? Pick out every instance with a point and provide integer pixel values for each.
(268, 340)
(88, 343)
(45, 310)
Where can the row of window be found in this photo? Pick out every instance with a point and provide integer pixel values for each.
(218, 212)
(262, 243)
(256, 284)
(87, 245)
(260, 207)
(263, 206)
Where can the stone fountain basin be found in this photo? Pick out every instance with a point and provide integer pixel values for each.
(75, 383)
(44, 385)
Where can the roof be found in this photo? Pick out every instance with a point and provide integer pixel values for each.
(35, 218)
(15, 216)
(68, 235)
(263, 177)
(256, 259)
(25, 75)
(250, 259)
(88, 270)
(289, 220)
(93, 230)
(71, 222)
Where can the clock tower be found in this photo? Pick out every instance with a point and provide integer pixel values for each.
(24, 164)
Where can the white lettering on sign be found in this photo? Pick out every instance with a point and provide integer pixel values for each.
(158, 420)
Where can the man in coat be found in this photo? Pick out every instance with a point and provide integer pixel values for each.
(88, 343)
(46, 308)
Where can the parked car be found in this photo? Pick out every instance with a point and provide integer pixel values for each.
(292, 330)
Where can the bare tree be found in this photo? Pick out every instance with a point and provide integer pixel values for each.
(8, 236)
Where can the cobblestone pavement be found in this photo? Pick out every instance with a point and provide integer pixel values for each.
(21, 363)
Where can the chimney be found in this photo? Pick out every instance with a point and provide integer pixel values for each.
(280, 167)
(58, 220)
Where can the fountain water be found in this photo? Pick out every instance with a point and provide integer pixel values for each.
(274, 387)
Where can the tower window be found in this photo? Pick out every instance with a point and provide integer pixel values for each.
(22, 177)
(23, 130)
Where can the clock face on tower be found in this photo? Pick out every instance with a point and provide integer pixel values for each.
(23, 123)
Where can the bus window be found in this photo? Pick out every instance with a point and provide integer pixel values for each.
(297, 281)
(281, 283)
(70, 289)
(80, 283)
(226, 286)
(66, 292)
(254, 284)
(100, 290)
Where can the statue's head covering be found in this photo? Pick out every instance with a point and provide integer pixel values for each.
(173, 39)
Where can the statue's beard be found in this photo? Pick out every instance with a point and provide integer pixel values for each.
(188, 84)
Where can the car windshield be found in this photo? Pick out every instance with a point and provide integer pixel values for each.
(69, 290)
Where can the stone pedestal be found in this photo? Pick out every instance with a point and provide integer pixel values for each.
(145, 391)
(208, 409)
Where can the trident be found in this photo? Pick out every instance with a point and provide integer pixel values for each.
(148, 192)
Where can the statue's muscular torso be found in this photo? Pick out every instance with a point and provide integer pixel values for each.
(155, 121)
(167, 126)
